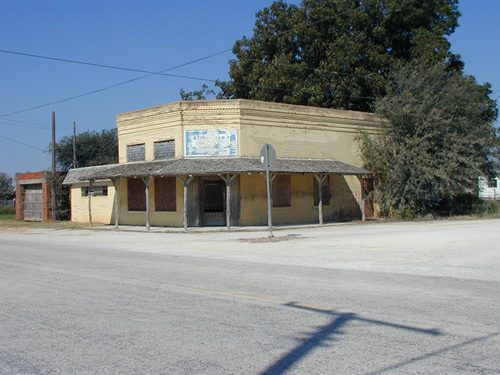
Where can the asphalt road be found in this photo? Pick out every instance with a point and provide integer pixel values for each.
(419, 298)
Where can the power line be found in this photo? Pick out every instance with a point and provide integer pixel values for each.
(5, 123)
(149, 73)
(21, 143)
(26, 122)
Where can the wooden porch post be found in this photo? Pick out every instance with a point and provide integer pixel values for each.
(91, 184)
(228, 179)
(116, 183)
(362, 199)
(185, 182)
(146, 183)
(320, 178)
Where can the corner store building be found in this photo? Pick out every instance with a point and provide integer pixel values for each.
(198, 163)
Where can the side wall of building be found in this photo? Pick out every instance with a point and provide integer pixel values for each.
(157, 218)
(148, 126)
(102, 205)
(170, 122)
(345, 194)
(304, 132)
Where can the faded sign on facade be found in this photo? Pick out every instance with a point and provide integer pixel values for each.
(211, 142)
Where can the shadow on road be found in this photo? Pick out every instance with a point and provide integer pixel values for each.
(433, 353)
(328, 333)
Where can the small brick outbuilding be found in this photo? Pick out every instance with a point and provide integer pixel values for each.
(33, 196)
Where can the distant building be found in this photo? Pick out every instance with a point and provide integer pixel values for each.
(489, 189)
(198, 163)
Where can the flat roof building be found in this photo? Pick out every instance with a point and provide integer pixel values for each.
(197, 163)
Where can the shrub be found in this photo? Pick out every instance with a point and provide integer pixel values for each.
(7, 210)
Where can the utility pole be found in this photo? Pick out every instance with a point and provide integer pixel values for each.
(53, 200)
(74, 144)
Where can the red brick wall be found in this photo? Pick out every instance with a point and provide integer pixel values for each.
(19, 202)
(46, 211)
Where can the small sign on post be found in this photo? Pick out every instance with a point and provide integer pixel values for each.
(268, 157)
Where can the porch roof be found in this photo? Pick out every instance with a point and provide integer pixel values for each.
(204, 166)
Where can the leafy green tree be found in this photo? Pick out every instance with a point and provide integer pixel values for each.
(337, 53)
(438, 138)
(92, 148)
(197, 95)
(6, 188)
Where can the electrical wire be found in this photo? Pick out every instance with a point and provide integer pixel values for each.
(5, 123)
(138, 70)
(149, 74)
(22, 143)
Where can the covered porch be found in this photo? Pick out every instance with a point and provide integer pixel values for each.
(226, 191)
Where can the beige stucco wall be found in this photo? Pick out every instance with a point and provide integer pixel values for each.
(345, 192)
(344, 203)
(149, 126)
(157, 218)
(304, 132)
(171, 121)
(102, 206)
(294, 131)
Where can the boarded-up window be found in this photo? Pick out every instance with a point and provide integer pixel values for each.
(325, 187)
(136, 197)
(165, 194)
(96, 191)
(282, 196)
(164, 150)
(136, 152)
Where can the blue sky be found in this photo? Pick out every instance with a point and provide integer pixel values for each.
(160, 35)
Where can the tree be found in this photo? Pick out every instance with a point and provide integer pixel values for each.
(92, 148)
(337, 53)
(438, 138)
(197, 95)
(6, 188)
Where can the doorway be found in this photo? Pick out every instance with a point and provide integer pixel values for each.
(213, 208)
(33, 202)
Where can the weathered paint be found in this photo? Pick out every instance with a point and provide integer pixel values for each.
(102, 206)
(345, 193)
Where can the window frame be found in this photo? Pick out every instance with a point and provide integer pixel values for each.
(277, 189)
(164, 141)
(129, 198)
(97, 191)
(143, 155)
(173, 190)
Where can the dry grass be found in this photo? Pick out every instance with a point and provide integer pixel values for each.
(10, 223)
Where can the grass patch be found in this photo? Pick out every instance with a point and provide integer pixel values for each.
(7, 211)
(4, 217)
(9, 222)
(487, 209)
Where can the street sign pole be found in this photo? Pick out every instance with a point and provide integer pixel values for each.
(269, 208)
(268, 155)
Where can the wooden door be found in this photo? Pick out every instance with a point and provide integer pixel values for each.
(33, 202)
(213, 210)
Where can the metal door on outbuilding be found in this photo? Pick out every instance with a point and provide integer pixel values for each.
(33, 202)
